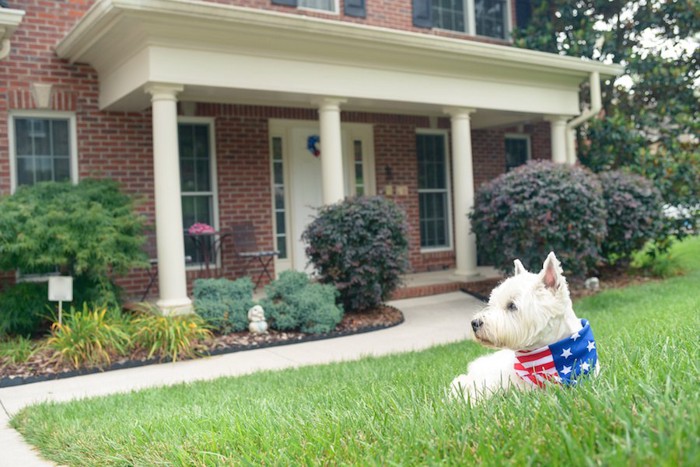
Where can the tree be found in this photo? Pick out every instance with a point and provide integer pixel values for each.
(651, 118)
(88, 231)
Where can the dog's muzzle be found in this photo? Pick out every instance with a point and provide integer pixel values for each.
(476, 324)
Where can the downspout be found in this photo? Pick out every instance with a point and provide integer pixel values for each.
(596, 105)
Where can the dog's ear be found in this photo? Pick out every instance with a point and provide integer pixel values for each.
(519, 268)
(551, 274)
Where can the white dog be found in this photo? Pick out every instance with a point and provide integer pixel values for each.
(531, 318)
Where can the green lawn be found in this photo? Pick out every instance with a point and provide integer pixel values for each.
(644, 409)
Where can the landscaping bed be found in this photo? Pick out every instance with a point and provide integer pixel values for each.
(43, 365)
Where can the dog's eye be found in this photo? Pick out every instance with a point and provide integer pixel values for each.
(511, 306)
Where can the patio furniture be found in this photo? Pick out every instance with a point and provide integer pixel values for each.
(208, 246)
(246, 248)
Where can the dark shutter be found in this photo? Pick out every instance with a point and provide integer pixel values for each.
(355, 8)
(423, 13)
(285, 2)
(523, 13)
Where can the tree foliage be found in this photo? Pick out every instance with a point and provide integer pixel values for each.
(89, 231)
(651, 118)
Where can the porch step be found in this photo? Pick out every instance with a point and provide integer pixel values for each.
(416, 291)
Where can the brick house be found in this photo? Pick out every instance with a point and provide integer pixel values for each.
(210, 112)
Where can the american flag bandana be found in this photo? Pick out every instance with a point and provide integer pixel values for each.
(562, 362)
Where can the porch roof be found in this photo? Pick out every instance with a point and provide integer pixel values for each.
(222, 53)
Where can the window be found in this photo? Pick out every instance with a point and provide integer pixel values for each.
(433, 191)
(197, 182)
(324, 5)
(43, 148)
(481, 17)
(280, 211)
(360, 189)
(517, 151)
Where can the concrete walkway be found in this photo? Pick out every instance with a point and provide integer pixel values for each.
(428, 321)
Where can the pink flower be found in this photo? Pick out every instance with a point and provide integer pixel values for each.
(198, 229)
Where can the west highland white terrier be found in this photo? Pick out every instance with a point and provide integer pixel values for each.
(530, 317)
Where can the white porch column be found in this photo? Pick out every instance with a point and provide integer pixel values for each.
(571, 146)
(172, 280)
(558, 132)
(331, 150)
(463, 186)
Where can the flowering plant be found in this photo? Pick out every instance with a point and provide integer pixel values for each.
(198, 229)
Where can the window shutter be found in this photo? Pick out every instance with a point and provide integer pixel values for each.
(355, 8)
(423, 13)
(285, 2)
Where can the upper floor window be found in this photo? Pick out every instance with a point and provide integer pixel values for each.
(353, 8)
(489, 18)
(323, 5)
(42, 148)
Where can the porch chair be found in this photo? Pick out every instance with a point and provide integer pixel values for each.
(245, 247)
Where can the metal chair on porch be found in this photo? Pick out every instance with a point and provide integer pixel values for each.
(245, 247)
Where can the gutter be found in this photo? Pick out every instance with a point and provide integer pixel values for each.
(596, 106)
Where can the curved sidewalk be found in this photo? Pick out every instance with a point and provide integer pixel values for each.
(428, 321)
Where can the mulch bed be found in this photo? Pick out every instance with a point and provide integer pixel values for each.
(43, 365)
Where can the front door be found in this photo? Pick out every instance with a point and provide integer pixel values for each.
(297, 176)
(305, 190)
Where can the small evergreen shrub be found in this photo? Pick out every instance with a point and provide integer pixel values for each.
(224, 304)
(538, 208)
(359, 245)
(634, 213)
(24, 308)
(293, 302)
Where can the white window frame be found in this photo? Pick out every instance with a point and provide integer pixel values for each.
(335, 11)
(523, 136)
(211, 123)
(470, 22)
(45, 114)
(448, 188)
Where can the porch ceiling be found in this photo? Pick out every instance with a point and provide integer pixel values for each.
(230, 54)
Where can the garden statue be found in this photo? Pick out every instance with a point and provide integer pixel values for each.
(256, 319)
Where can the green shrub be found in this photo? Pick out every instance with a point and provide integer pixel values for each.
(89, 337)
(360, 246)
(224, 304)
(634, 213)
(293, 302)
(169, 336)
(538, 208)
(24, 308)
(88, 231)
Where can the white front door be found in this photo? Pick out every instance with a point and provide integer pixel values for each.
(305, 191)
(303, 187)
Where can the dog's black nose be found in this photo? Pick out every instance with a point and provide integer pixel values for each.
(476, 324)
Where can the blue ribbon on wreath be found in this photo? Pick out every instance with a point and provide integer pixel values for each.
(312, 144)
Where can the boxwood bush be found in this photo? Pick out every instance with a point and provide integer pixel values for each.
(293, 302)
(538, 208)
(634, 213)
(224, 304)
(360, 246)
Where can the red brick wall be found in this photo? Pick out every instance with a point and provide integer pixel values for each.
(119, 145)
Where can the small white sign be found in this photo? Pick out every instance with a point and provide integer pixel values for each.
(61, 289)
